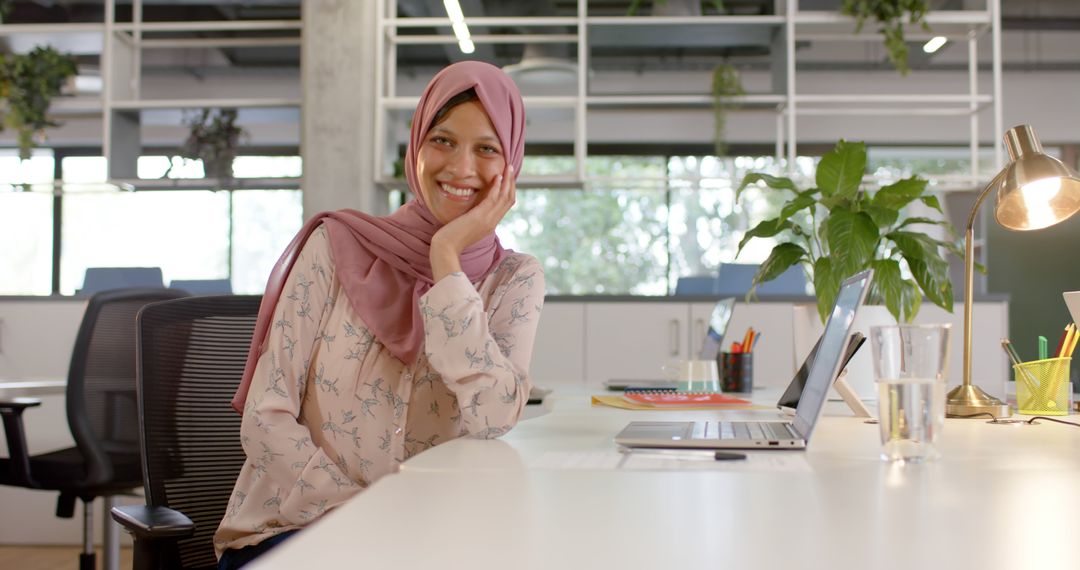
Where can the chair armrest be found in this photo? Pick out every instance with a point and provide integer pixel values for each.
(15, 433)
(153, 523)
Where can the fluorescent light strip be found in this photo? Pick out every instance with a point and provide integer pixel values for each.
(934, 44)
(457, 21)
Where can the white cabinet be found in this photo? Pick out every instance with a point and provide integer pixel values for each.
(559, 351)
(633, 340)
(584, 343)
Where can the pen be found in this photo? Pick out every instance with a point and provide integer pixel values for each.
(692, 454)
(753, 345)
(1009, 351)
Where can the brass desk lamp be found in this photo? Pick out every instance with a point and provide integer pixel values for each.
(1034, 191)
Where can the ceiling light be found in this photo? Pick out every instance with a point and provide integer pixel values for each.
(934, 44)
(457, 21)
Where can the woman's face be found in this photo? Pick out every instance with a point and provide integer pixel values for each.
(458, 161)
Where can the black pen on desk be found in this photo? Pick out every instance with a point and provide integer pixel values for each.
(695, 454)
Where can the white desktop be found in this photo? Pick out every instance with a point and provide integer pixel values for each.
(556, 493)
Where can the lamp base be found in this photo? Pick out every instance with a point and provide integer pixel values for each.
(968, 400)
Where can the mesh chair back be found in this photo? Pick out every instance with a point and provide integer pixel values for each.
(191, 357)
(101, 406)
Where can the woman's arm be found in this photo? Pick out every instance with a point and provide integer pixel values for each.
(484, 360)
(278, 445)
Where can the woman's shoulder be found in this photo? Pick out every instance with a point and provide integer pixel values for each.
(517, 268)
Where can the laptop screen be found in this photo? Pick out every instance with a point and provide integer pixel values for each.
(830, 349)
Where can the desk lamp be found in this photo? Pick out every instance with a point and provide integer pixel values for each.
(1034, 191)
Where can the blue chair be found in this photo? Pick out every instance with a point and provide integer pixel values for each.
(99, 279)
(696, 285)
(735, 279)
(203, 286)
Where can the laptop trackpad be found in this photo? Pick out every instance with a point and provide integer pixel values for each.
(657, 431)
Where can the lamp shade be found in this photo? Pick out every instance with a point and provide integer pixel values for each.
(1036, 189)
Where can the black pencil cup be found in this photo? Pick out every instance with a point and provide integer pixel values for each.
(736, 371)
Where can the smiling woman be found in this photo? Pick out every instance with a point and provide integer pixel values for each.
(379, 337)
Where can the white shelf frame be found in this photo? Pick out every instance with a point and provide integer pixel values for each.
(121, 71)
(956, 25)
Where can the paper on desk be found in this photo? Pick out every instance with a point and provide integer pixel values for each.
(615, 461)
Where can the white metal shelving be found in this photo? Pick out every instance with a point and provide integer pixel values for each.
(121, 103)
(786, 101)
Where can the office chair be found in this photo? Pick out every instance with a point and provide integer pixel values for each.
(191, 357)
(696, 285)
(203, 286)
(99, 279)
(735, 279)
(102, 416)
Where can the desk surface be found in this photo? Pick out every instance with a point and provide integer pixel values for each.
(549, 495)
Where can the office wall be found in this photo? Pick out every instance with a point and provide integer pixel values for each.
(1034, 268)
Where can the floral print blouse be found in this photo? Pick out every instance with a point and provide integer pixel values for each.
(331, 410)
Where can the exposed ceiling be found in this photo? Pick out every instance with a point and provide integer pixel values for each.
(1029, 24)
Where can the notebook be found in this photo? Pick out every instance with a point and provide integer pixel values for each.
(710, 347)
(768, 435)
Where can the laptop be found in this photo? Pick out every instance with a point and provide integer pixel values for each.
(710, 347)
(769, 434)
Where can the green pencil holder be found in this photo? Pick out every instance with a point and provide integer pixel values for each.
(1042, 387)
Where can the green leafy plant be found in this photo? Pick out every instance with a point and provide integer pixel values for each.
(725, 82)
(636, 4)
(838, 228)
(5, 9)
(28, 83)
(213, 137)
(891, 15)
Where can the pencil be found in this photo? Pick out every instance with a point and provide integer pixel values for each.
(1063, 344)
(746, 339)
(1072, 347)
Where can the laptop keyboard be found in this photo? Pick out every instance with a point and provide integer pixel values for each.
(748, 430)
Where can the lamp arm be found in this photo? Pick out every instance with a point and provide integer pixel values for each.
(969, 273)
(982, 196)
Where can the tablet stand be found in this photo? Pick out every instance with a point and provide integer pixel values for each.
(850, 397)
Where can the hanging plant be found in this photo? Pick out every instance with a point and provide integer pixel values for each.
(213, 137)
(725, 83)
(28, 82)
(891, 15)
(5, 9)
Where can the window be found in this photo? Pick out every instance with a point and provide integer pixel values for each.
(641, 223)
(190, 234)
(26, 204)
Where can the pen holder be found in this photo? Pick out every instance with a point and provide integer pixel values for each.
(736, 371)
(1042, 387)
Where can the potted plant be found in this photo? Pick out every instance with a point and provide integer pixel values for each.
(891, 15)
(28, 83)
(839, 228)
(213, 137)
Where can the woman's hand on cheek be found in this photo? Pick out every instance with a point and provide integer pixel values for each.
(468, 228)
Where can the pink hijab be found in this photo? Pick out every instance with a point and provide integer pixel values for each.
(382, 262)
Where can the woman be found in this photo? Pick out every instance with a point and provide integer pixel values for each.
(380, 337)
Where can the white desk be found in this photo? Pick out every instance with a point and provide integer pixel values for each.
(1000, 497)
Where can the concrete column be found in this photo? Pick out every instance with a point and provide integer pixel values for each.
(338, 70)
